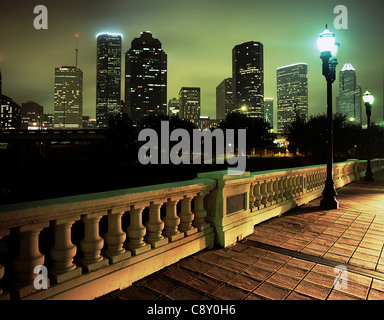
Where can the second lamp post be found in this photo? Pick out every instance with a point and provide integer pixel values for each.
(328, 47)
(368, 100)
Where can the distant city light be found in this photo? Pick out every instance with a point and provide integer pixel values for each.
(109, 34)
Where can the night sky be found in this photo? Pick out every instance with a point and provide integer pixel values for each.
(198, 37)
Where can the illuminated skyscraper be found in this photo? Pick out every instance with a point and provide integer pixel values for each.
(108, 83)
(224, 99)
(189, 100)
(292, 94)
(10, 113)
(146, 77)
(68, 104)
(349, 93)
(248, 78)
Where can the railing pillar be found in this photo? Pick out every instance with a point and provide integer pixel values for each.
(114, 238)
(199, 212)
(136, 232)
(63, 252)
(252, 197)
(29, 258)
(172, 221)
(264, 193)
(155, 226)
(271, 193)
(186, 217)
(92, 244)
(257, 195)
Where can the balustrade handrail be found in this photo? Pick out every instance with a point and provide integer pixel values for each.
(33, 212)
(280, 172)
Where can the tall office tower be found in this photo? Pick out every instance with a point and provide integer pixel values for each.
(349, 93)
(268, 111)
(189, 100)
(10, 113)
(68, 104)
(31, 115)
(146, 77)
(108, 82)
(248, 78)
(173, 107)
(292, 94)
(224, 99)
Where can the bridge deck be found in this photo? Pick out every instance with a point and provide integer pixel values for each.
(292, 257)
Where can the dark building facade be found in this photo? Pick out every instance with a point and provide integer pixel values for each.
(31, 115)
(268, 111)
(146, 77)
(224, 99)
(108, 83)
(248, 78)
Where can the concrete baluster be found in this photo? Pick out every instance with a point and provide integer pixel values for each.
(257, 195)
(270, 191)
(29, 258)
(155, 226)
(199, 212)
(284, 184)
(172, 221)
(136, 232)
(114, 238)
(252, 197)
(186, 217)
(92, 244)
(264, 193)
(63, 252)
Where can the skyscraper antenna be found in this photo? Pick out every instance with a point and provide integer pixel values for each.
(77, 50)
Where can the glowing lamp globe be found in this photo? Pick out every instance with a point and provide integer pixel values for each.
(368, 97)
(326, 41)
(335, 49)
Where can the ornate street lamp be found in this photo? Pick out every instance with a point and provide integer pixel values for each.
(328, 47)
(368, 101)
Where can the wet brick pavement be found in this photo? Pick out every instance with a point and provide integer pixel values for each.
(291, 257)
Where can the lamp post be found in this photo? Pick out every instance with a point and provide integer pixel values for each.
(368, 100)
(328, 48)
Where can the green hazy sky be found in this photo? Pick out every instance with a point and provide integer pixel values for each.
(198, 37)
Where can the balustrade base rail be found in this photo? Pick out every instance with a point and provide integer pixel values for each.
(89, 245)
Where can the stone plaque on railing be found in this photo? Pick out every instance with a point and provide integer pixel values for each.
(236, 203)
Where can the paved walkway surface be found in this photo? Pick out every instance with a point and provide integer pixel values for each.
(307, 253)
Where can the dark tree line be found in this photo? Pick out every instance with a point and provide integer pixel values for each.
(308, 138)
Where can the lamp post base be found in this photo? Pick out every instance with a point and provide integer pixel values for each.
(368, 175)
(329, 196)
(329, 203)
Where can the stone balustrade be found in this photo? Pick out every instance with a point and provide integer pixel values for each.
(96, 243)
(241, 201)
(126, 235)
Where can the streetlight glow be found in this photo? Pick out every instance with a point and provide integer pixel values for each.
(368, 97)
(326, 41)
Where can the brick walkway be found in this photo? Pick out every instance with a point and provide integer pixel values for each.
(292, 257)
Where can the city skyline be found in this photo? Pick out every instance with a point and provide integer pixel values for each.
(198, 55)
